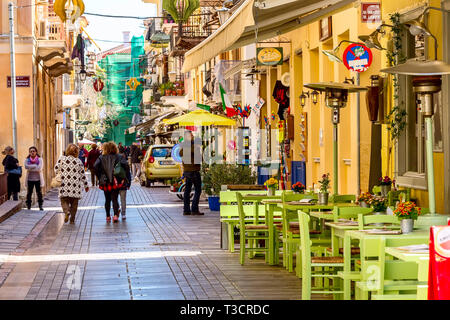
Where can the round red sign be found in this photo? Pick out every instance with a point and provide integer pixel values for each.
(357, 57)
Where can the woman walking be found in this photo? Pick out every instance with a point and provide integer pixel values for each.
(110, 168)
(34, 178)
(73, 181)
(11, 165)
(91, 158)
(123, 190)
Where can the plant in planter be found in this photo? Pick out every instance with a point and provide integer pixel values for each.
(407, 212)
(298, 187)
(324, 186)
(216, 175)
(385, 184)
(271, 185)
(364, 199)
(379, 204)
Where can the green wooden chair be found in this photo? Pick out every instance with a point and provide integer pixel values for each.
(390, 279)
(376, 190)
(316, 267)
(367, 221)
(394, 196)
(349, 212)
(250, 233)
(342, 198)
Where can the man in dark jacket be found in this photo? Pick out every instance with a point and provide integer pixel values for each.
(191, 151)
(91, 159)
(136, 156)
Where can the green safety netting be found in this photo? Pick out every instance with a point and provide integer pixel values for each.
(119, 68)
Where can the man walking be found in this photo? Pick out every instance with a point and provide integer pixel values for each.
(191, 152)
(91, 159)
(136, 156)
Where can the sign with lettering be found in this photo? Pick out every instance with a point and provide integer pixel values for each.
(357, 57)
(21, 81)
(370, 12)
(439, 266)
(269, 56)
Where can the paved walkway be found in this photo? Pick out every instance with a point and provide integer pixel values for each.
(157, 253)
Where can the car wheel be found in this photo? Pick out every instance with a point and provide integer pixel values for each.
(148, 183)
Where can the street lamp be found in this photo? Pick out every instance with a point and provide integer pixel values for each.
(426, 81)
(336, 95)
(333, 54)
(303, 97)
(83, 74)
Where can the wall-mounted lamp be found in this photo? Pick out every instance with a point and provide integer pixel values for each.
(315, 96)
(303, 97)
(371, 41)
(333, 54)
(83, 74)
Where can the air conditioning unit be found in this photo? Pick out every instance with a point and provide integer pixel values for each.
(42, 30)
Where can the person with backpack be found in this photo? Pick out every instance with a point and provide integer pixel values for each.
(123, 191)
(111, 172)
(91, 159)
(14, 171)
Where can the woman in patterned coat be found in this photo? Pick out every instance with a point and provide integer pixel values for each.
(73, 181)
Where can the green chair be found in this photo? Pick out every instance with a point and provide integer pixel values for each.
(343, 198)
(376, 190)
(367, 221)
(393, 279)
(314, 267)
(349, 212)
(394, 196)
(250, 233)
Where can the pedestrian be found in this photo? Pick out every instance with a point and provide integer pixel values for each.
(14, 171)
(123, 190)
(91, 159)
(110, 168)
(136, 157)
(73, 180)
(191, 172)
(35, 177)
(122, 151)
(82, 154)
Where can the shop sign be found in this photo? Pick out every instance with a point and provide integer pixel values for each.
(21, 81)
(357, 57)
(269, 56)
(370, 12)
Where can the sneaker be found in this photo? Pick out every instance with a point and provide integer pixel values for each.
(116, 219)
(41, 208)
(108, 219)
(72, 222)
(198, 213)
(124, 217)
(28, 207)
(186, 213)
(66, 218)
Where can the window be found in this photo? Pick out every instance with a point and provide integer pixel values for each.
(325, 30)
(411, 155)
(161, 152)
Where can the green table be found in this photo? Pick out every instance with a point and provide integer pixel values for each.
(422, 260)
(366, 239)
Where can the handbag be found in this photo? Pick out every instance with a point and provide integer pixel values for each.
(119, 171)
(56, 181)
(17, 171)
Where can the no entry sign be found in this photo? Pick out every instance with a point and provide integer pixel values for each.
(357, 57)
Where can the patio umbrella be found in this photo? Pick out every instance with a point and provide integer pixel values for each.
(86, 141)
(200, 117)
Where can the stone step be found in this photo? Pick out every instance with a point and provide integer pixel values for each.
(9, 208)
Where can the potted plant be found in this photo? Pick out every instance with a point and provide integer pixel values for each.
(407, 212)
(324, 186)
(364, 199)
(271, 185)
(379, 204)
(385, 184)
(298, 187)
(216, 175)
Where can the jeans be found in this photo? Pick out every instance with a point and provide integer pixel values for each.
(136, 170)
(192, 178)
(31, 186)
(123, 202)
(94, 179)
(112, 196)
(70, 207)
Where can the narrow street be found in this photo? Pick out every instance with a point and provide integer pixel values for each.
(157, 253)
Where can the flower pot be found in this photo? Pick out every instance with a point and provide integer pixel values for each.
(385, 190)
(363, 204)
(323, 198)
(270, 192)
(213, 202)
(407, 225)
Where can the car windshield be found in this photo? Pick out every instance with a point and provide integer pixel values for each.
(161, 152)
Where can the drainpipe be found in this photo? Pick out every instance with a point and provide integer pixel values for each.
(13, 74)
(358, 138)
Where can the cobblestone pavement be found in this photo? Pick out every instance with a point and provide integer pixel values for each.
(157, 253)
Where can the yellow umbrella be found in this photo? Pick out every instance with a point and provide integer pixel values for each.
(200, 117)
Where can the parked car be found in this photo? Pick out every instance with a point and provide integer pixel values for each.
(158, 165)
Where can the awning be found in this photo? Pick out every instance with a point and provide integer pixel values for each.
(152, 121)
(239, 29)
